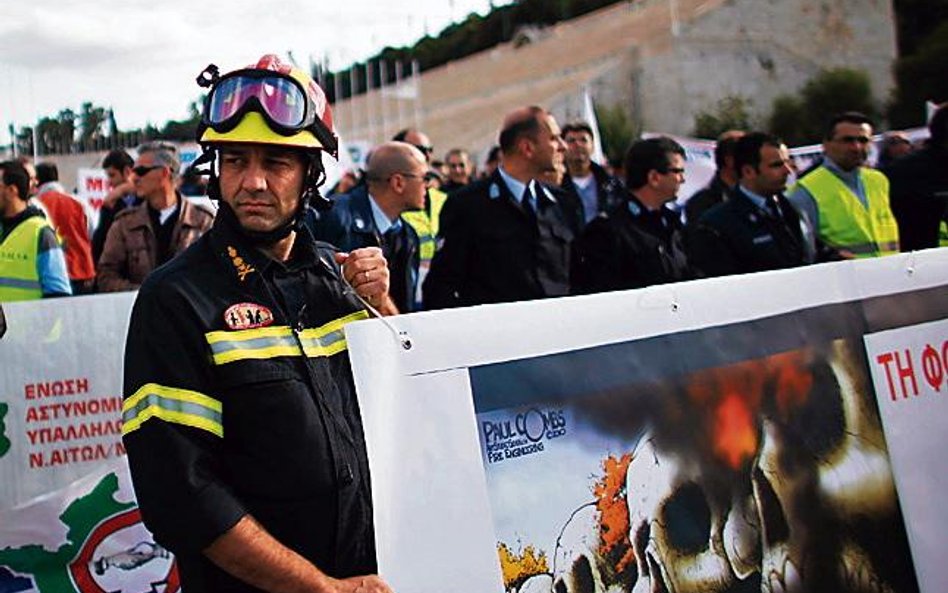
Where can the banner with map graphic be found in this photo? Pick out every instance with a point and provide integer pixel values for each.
(68, 518)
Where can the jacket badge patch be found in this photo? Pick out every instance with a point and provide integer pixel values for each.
(240, 264)
(247, 316)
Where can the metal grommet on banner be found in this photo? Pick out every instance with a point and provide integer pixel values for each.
(910, 265)
(674, 307)
(404, 340)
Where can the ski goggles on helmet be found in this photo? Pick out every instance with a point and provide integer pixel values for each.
(281, 99)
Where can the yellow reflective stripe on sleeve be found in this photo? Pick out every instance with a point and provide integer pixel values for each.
(177, 406)
(330, 338)
(274, 342)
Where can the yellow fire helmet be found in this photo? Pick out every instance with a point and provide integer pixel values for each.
(267, 103)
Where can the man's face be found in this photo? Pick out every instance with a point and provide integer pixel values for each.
(579, 147)
(849, 146)
(414, 186)
(5, 197)
(770, 176)
(116, 176)
(422, 142)
(262, 184)
(150, 177)
(459, 167)
(668, 182)
(548, 147)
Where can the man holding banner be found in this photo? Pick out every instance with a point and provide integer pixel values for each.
(243, 433)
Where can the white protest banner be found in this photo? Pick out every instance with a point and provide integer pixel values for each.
(717, 435)
(910, 373)
(93, 186)
(68, 519)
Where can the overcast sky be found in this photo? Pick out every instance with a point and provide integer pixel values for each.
(141, 58)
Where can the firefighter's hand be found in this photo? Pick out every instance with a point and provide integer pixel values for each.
(366, 270)
(364, 584)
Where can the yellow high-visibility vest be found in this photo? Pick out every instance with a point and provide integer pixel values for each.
(845, 223)
(425, 226)
(19, 277)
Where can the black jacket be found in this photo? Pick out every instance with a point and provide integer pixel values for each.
(610, 191)
(918, 196)
(631, 247)
(490, 251)
(350, 224)
(239, 400)
(706, 198)
(737, 237)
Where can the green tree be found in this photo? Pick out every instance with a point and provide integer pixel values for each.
(616, 129)
(91, 119)
(785, 120)
(730, 113)
(801, 121)
(921, 76)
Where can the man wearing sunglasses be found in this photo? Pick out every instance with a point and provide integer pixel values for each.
(241, 424)
(150, 234)
(641, 243)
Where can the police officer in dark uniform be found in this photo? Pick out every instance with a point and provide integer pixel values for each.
(641, 243)
(757, 229)
(240, 420)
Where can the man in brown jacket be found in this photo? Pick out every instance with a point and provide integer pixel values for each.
(148, 235)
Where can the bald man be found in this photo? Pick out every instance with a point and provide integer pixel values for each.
(507, 237)
(371, 216)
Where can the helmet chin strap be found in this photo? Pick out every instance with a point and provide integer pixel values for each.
(315, 176)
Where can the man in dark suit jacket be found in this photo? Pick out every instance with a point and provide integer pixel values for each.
(640, 243)
(370, 216)
(507, 237)
(758, 229)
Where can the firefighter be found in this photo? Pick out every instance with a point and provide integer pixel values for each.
(240, 419)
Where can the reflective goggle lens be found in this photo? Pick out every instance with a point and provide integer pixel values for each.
(281, 99)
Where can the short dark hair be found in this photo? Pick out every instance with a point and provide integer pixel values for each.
(723, 148)
(493, 154)
(15, 174)
(938, 127)
(527, 126)
(576, 126)
(848, 117)
(46, 172)
(747, 149)
(649, 155)
(117, 159)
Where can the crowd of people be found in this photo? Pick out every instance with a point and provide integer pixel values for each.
(606, 228)
(235, 363)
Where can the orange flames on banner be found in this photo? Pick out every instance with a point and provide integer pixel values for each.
(733, 396)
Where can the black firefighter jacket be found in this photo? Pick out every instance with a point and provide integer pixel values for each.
(239, 400)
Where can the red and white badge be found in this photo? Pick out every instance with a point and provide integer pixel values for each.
(247, 316)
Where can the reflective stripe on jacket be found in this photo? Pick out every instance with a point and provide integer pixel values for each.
(845, 223)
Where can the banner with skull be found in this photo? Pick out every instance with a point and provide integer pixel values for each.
(722, 435)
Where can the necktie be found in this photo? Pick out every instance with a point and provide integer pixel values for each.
(393, 247)
(526, 202)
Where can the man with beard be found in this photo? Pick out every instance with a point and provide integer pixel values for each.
(757, 229)
(243, 433)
